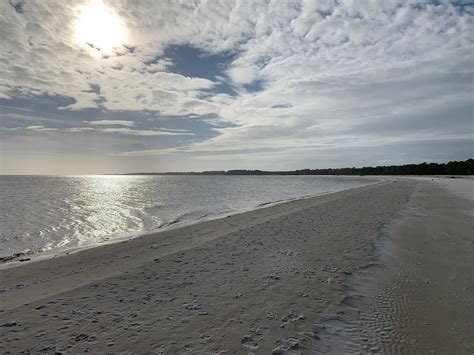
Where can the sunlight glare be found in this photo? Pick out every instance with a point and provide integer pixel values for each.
(99, 27)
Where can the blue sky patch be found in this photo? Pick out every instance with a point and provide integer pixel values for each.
(256, 86)
(44, 110)
(194, 62)
(282, 106)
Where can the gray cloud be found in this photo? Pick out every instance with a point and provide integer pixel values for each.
(332, 75)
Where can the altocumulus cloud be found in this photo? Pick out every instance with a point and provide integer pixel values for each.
(261, 84)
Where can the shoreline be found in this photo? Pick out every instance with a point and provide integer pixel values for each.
(267, 269)
(134, 252)
(21, 258)
(258, 281)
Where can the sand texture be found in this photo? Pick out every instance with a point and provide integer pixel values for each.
(261, 281)
(417, 297)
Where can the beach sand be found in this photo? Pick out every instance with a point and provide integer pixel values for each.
(261, 281)
(430, 270)
(417, 297)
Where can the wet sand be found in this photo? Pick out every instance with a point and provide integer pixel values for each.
(432, 265)
(261, 281)
(417, 297)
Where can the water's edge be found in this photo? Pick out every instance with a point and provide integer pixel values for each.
(21, 258)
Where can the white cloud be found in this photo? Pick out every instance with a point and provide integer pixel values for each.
(121, 130)
(329, 68)
(111, 123)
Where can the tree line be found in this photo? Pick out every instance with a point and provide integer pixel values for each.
(465, 167)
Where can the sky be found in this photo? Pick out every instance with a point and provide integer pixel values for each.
(91, 87)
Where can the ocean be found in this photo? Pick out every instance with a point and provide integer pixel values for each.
(44, 214)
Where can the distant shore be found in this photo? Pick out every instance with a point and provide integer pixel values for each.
(258, 281)
(465, 167)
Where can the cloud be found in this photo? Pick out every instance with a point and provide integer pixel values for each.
(148, 152)
(111, 123)
(286, 75)
(122, 130)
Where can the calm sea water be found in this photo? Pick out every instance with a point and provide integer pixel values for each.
(49, 213)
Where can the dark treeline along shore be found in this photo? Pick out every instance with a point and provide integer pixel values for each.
(452, 168)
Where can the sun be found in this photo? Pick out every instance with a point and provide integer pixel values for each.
(100, 28)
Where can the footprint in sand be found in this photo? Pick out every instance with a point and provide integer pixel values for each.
(248, 342)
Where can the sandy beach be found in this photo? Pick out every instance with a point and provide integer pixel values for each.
(382, 268)
(417, 295)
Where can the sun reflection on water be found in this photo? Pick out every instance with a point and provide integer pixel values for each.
(107, 206)
(41, 213)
